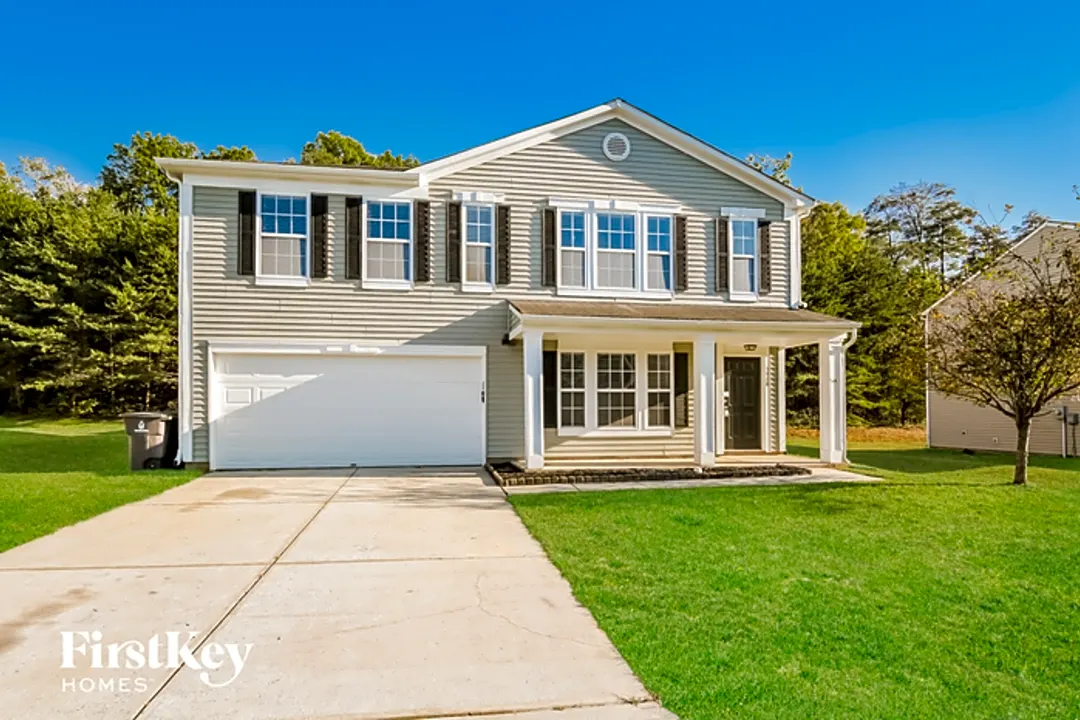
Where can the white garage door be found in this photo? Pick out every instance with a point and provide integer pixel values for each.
(292, 411)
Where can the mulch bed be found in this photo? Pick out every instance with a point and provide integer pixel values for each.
(508, 474)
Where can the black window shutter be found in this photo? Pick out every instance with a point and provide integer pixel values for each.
(246, 257)
(548, 240)
(502, 244)
(765, 252)
(453, 242)
(422, 240)
(682, 389)
(721, 254)
(353, 235)
(320, 210)
(551, 389)
(680, 254)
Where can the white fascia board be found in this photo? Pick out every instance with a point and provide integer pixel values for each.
(301, 186)
(179, 167)
(743, 213)
(561, 323)
(509, 144)
(792, 199)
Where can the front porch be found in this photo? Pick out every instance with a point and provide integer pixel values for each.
(610, 384)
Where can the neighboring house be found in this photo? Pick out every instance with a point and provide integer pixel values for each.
(955, 423)
(602, 287)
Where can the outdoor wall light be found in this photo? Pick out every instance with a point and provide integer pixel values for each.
(749, 347)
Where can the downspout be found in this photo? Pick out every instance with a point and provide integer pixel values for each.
(1064, 431)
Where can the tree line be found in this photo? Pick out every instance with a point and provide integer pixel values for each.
(88, 280)
(88, 276)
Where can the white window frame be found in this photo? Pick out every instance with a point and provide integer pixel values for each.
(475, 286)
(281, 280)
(597, 250)
(641, 427)
(756, 257)
(584, 390)
(584, 252)
(671, 391)
(384, 283)
(670, 253)
(591, 209)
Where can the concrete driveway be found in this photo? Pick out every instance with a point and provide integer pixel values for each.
(362, 594)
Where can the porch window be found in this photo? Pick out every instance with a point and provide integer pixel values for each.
(572, 390)
(572, 250)
(616, 383)
(660, 391)
(616, 254)
(743, 257)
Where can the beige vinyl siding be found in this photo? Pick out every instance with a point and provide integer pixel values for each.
(956, 423)
(228, 306)
(574, 166)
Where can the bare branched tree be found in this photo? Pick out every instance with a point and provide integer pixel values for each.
(1010, 339)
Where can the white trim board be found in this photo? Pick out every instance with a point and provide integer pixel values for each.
(634, 117)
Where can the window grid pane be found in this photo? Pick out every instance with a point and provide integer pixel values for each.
(572, 389)
(615, 269)
(573, 268)
(283, 244)
(659, 397)
(615, 375)
(572, 230)
(389, 232)
(479, 239)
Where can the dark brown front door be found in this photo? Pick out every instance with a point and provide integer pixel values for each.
(742, 379)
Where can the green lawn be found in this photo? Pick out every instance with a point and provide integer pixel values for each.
(942, 592)
(55, 473)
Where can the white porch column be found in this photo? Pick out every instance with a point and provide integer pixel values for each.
(705, 400)
(781, 397)
(833, 400)
(533, 361)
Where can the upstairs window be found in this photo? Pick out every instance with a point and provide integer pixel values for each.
(658, 253)
(283, 240)
(616, 254)
(743, 257)
(388, 245)
(479, 243)
(572, 250)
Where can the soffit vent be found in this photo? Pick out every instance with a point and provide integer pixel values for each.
(616, 146)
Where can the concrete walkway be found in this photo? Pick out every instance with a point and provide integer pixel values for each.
(816, 476)
(363, 594)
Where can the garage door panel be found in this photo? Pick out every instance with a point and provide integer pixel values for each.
(307, 411)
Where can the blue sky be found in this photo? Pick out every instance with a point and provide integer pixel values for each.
(985, 97)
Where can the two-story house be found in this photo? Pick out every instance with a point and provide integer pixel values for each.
(601, 287)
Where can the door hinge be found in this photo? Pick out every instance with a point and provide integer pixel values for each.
(483, 388)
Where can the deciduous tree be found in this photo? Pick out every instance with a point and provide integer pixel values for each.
(334, 148)
(1010, 340)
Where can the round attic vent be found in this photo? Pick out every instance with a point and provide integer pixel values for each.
(616, 146)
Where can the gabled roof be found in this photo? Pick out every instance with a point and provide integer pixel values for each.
(1066, 224)
(633, 116)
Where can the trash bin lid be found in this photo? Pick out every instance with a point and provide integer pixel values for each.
(146, 416)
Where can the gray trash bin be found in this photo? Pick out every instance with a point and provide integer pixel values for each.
(146, 438)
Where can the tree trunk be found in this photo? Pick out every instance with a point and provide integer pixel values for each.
(1023, 435)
